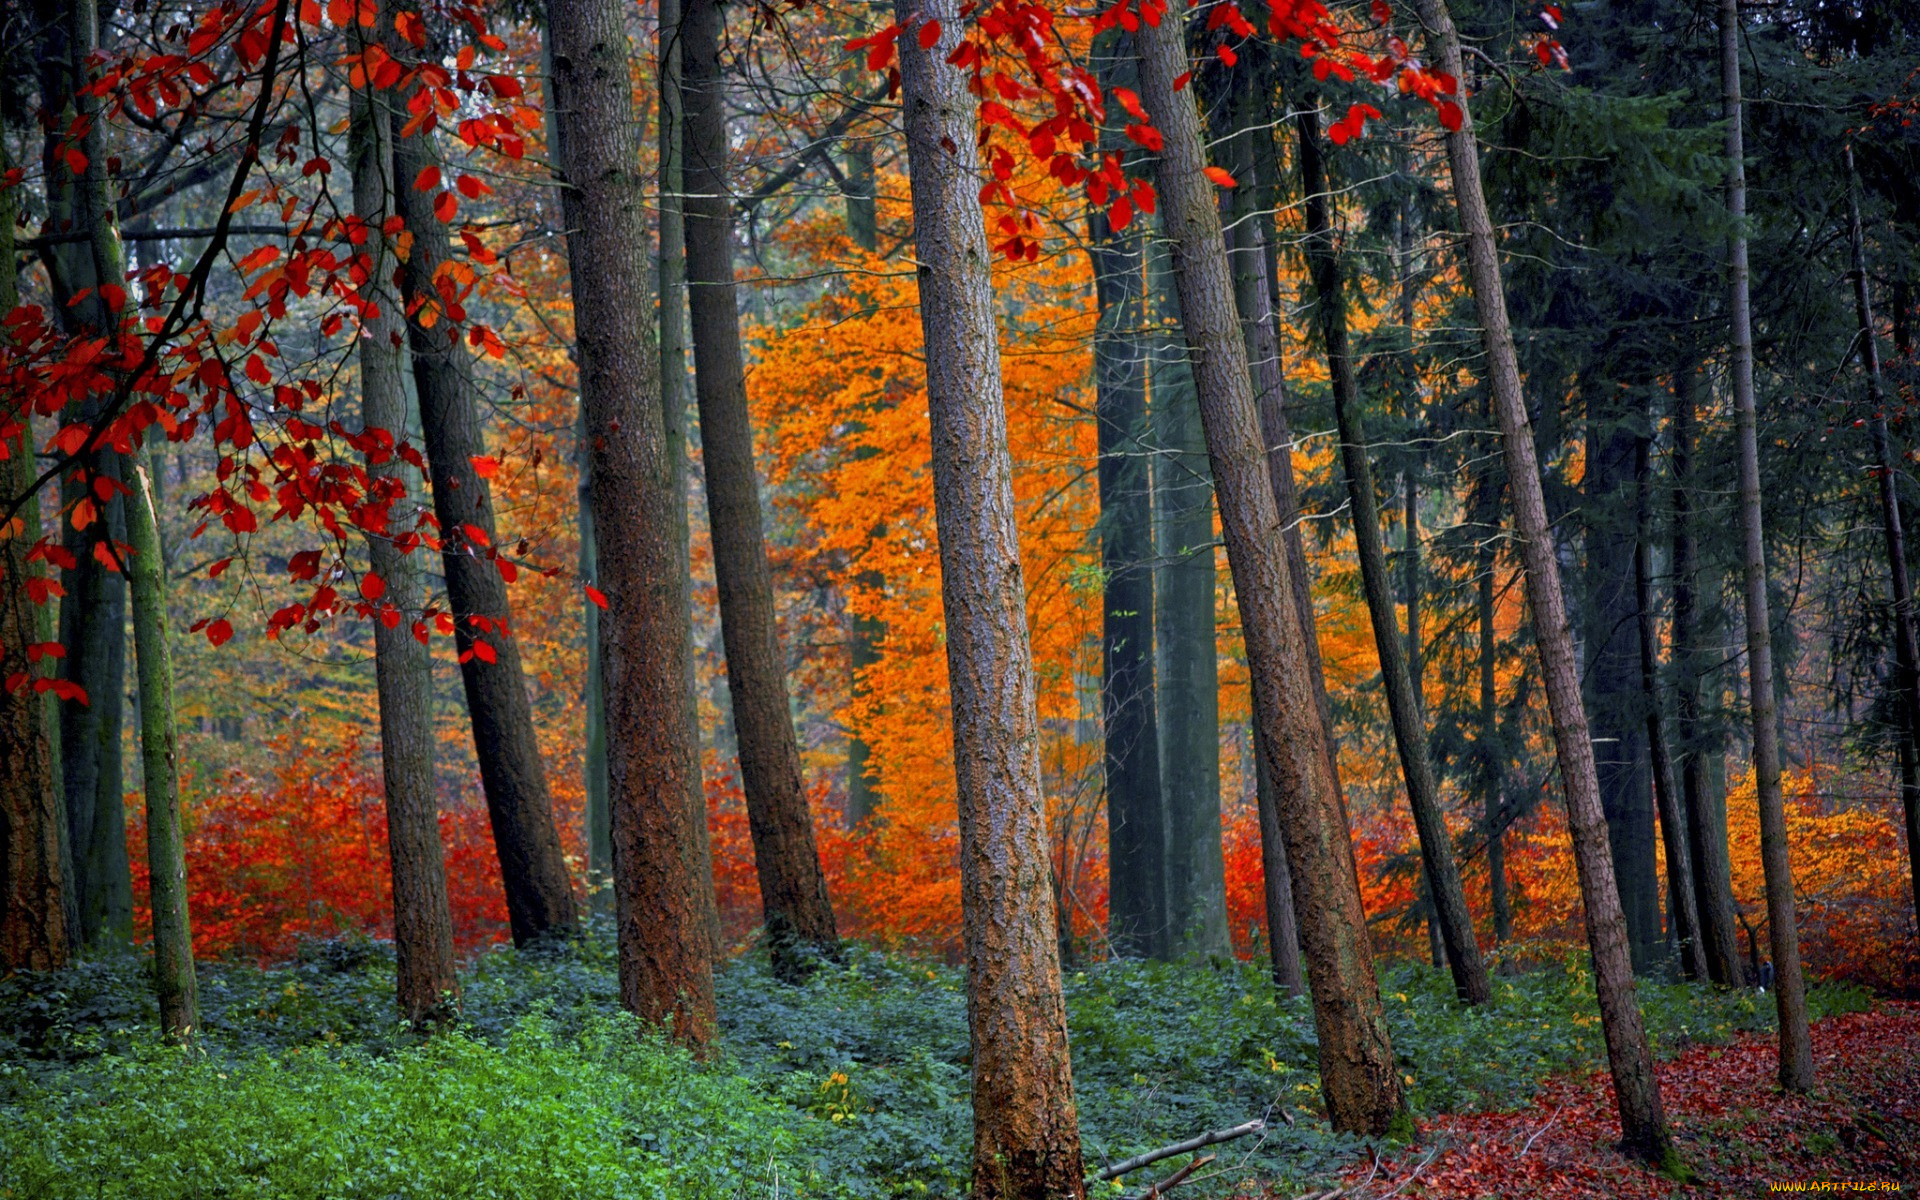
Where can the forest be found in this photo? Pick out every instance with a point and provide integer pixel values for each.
(992, 598)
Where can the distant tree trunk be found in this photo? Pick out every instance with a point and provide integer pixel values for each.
(1907, 652)
(793, 890)
(1187, 679)
(1136, 807)
(1491, 754)
(34, 880)
(1692, 657)
(599, 811)
(1789, 995)
(1681, 912)
(1635, 1086)
(93, 613)
(1445, 894)
(173, 972)
(1359, 1081)
(427, 979)
(865, 633)
(661, 898)
(1026, 1139)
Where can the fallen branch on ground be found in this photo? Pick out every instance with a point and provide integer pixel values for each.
(1172, 1181)
(1196, 1142)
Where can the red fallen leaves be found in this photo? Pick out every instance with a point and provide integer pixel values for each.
(1732, 1125)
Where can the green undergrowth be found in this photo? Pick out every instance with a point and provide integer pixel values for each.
(301, 1083)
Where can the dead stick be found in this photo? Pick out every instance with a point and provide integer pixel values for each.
(1172, 1181)
(1198, 1141)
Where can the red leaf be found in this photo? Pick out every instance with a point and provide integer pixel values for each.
(427, 180)
(372, 587)
(220, 632)
(483, 650)
(596, 595)
(445, 206)
(1220, 176)
(485, 468)
(929, 34)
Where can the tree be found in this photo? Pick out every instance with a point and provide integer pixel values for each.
(1636, 1088)
(1789, 994)
(793, 891)
(1026, 1136)
(661, 897)
(1359, 1081)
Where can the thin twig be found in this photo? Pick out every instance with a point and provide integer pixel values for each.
(1172, 1181)
(1196, 1142)
(1538, 1132)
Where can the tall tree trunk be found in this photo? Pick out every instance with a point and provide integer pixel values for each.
(1635, 1086)
(93, 612)
(865, 632)
(540, 901)
(661, 898)
(1907, 653)
(35, 867)
(1446, 896)
(1359, 1080)
(1706, 815)
(1136, 807)
(427, 980)
(173, 972)
(1789, 995)
(1026, 1138)
(1681, 912)
(599, 811)
(1491, 754)
(1187, 680)
(793, 890)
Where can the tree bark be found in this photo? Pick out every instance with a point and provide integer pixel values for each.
(1636, 1088)
(661, 898)
(1489, 750)
(793, 890)
(427, 982)
(1446, 896)
(1026, 1135)
(1359, 1080)
(1789, 995)
(539, 893)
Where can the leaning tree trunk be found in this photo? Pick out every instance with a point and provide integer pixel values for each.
(1445, 894)
(539, 892)
(661, 898)
(173, 973)
(1636, 1088)
(1359, 1080)
(427, 982)
(1026, 1137)
(1489, 752)
(793, 889)
(1789, 994)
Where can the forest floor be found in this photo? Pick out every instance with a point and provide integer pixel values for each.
(1734, 1127)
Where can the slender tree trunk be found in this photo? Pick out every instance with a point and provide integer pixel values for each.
(540, 901)
(1789, 996)
(793, 890)
(173, 972)
(1636, 1088)
(1187, 680)
(599, 814)
(427, 981)
(865, 633)
(661, 898)
(1359, 1080)
(93, 612)
(1446, 896)
(34, 871)
(1489, 750)
(1026, 1136)
(1681, 912)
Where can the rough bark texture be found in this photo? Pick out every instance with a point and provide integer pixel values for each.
(662, 900)
(1026, 1136)
(173, 974)
(427, 984)
(539, 893)
(1789, 991)
(1359, 1081)
(1445, 895)
(1636, 1088)
(793, 890)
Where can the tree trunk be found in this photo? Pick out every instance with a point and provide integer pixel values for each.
(661, 898)
(1359, 1081)
(1026, 1137)
(1491, 754)
(1789, 995)
(1187, 680)
(599, 811)
(539, 893)
(93, 612)
(1446, 896)
(427, 981)
(173, 972)
(1636, 1088)
(1681, 912)
(793, 890)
